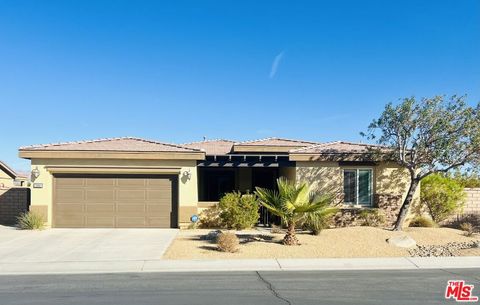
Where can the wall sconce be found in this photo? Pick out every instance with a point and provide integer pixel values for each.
(35, 173)
(186, 175)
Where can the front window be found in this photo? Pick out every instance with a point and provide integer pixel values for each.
(357, 186)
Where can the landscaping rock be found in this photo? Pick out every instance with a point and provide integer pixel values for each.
(212, 235)
(402, 241)
(450, 249)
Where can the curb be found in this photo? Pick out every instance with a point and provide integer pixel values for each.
(333, 264)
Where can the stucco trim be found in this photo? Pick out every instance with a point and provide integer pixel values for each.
(111, 169)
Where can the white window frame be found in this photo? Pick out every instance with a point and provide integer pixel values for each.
(356, 170)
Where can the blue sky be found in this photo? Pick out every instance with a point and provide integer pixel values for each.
(176, 71)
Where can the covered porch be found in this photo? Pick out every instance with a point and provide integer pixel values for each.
(218, 175)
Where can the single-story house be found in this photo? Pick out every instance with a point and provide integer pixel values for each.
(10, 178)
(133, 182)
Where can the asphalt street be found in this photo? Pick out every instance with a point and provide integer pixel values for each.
(316, 287)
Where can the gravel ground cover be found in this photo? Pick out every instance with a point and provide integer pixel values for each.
(331, 243)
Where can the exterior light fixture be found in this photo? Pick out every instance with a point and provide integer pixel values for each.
(187, 175)
(35, 173)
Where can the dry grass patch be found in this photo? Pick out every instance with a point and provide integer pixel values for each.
(331, 243)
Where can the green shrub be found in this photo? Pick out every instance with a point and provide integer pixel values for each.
(422, 221)
(466, 179)
(239, 211)
(319, 220)
(442, 196)
(227, 242)
(210, 218)
(30, 221)
(371, 218)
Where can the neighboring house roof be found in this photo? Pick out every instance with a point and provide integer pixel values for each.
(124, 144)
(270, 145)
(337, 147)
(10, 172)
(212, 147)
(276, 142)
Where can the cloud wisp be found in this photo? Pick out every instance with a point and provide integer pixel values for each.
(276, 64)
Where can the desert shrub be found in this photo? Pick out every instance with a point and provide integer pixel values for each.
(239, 211)
(30, 221)
(227, 242)
(467, 228)
(422, 221)
(442, 196)
(372, 218)
(276, 229)
(319, 220)
(210, 218)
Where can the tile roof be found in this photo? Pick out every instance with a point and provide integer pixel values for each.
(212, 147)
(128, 144)
(337, 147)
(9, 171)
(276, 142)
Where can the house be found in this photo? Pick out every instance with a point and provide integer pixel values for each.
(9, 178)
(133, 182)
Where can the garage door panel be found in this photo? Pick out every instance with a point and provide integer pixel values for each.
(70, 208)
(131, 195)
(159, 183)
(100, 221)
(156, 209)
(70, 220)
(131, 222)
(120, 201)
(131, 208)
(159, 195)
(99, 182)
(131, 182)
(73, 182)
(99, 195)
(69, 195)
(158, 222)
(100, 208)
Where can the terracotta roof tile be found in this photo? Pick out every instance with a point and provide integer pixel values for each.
(276, 142)
(212, 147)
(129, 144)
(337, 147)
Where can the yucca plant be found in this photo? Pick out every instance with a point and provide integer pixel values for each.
(291, 202)
(30, 221)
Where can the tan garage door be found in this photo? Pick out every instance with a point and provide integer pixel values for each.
(121, 201)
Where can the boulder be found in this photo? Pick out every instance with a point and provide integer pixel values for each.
(402, 241)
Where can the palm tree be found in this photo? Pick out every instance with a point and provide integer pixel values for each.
(291, 202)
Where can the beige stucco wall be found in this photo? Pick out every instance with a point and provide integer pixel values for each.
(188, 191)
(324, 177)
(327, 177)
(5, 180)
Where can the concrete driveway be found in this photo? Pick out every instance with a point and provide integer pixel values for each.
(83, 245)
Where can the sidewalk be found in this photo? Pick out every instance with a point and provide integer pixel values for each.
(397, 263)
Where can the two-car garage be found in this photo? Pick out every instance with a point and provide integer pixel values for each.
(114, 183)
(115, 201)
